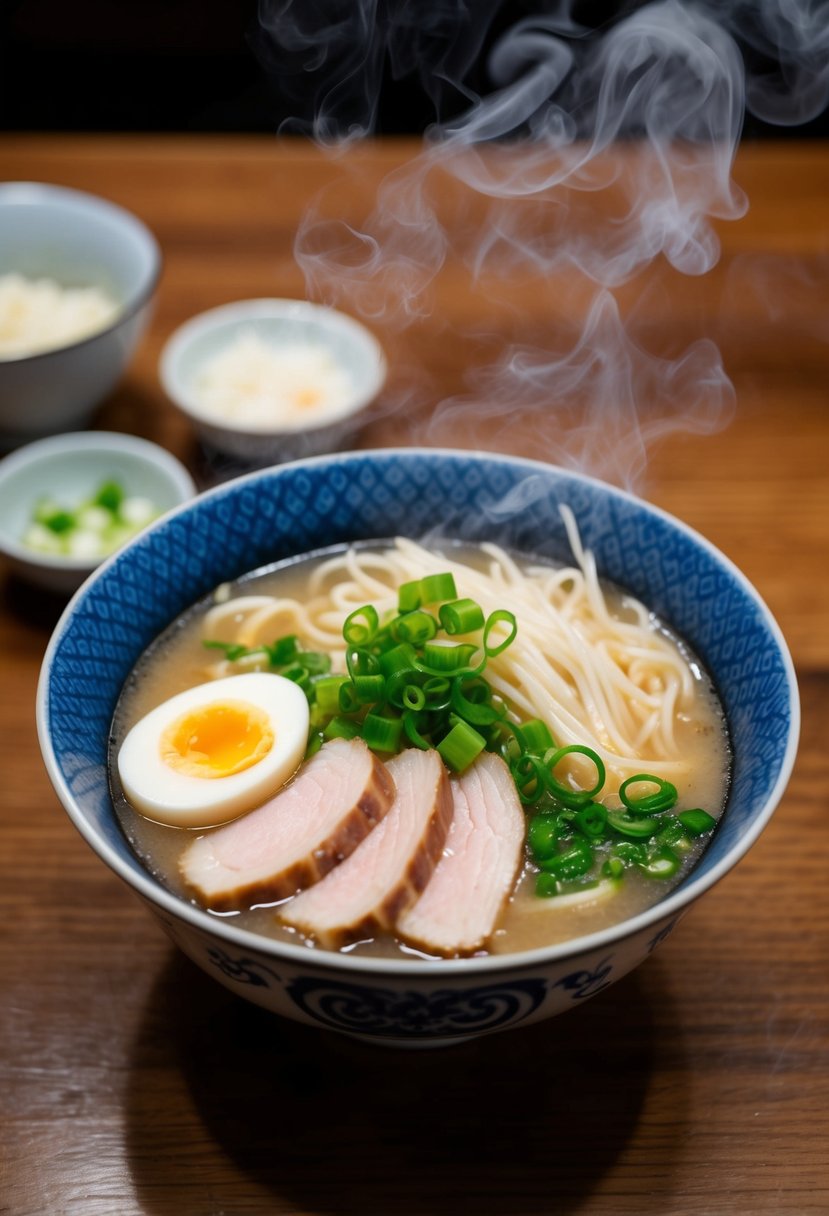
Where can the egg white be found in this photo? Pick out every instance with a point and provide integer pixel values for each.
(187, 800)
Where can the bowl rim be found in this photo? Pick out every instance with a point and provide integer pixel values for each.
(675, 904)
(214, 320)
(67, 445)
(138, 299)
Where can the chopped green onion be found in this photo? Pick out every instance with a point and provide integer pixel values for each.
(59, 521)
(282, 651)
(361, 625)
(408, 596)
(613, 868)
(382, 734)
(528, 774)
(398, 658)
(369, 689)
(479, 713)
(341, 728)
(411, 724)
(663, 864)
(313, 662)
(415, 627)
(233, 651)
(542, 836)
(362, 663)
(574, 861)
(297, 673)
(636, 826)
(565, 793)
(629, 852)
(413, 697)
(435, 588)
(592, 819)
(546, 885)
(440, 658)
(315, 742)
(461, 616)
(697, 822)
(461, 746)
(535, 736)
(500, 616)
(348, 698)
(649, 804)
(110, 495)
(504, 738)
(438, 692)
(671, 833)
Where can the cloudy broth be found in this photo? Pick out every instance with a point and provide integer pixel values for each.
(178, 660)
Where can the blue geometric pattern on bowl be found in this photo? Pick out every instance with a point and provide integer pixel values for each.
(280, 512)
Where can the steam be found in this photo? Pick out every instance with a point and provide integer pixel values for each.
(575, 162)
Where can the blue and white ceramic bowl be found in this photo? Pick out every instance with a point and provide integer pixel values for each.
(288, 510)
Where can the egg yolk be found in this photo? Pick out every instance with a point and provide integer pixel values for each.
(217, 740)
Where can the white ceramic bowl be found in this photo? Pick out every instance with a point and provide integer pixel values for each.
(69, 468)
(281, 324)
(79, 240)
(274, 514)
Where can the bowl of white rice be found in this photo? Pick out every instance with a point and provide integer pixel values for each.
(269, 380)
(77, 279)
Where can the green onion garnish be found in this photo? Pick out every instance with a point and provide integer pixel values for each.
(382, 734)
(461, 746)
(411, 683)
(697, 822)
(661, 800)
(663, 864)
(573, 862)
(461, 616)
(636, 826)
(408, 597)
(361, 625)
(437, 588)
(565, 793)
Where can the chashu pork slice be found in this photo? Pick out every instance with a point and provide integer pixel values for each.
(459, 909)
(292, 841)
(387, 873)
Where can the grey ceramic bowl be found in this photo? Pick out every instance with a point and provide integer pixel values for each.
(278, 323)
(79, 240)
(272, 515)
(69, 468)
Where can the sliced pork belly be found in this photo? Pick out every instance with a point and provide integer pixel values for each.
(457, 912)
(386, 874)
(298, 836)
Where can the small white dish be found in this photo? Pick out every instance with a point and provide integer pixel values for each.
(69, 469)
(77, 240)
(281, 326)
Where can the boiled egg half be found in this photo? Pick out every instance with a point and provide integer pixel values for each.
(211, 753)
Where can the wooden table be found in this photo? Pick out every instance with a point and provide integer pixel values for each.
(696, 1085)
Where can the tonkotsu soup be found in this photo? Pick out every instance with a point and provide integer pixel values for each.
(523, 754)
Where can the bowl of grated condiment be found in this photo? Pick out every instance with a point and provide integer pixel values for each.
(269, 380)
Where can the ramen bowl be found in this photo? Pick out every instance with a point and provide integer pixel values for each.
(292, 509)
(75, 240)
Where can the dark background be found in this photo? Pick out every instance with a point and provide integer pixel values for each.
(200, 66)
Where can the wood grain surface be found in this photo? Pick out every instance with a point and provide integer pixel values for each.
(131, 1083)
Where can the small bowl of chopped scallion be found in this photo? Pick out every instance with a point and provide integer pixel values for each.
(68, 502)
